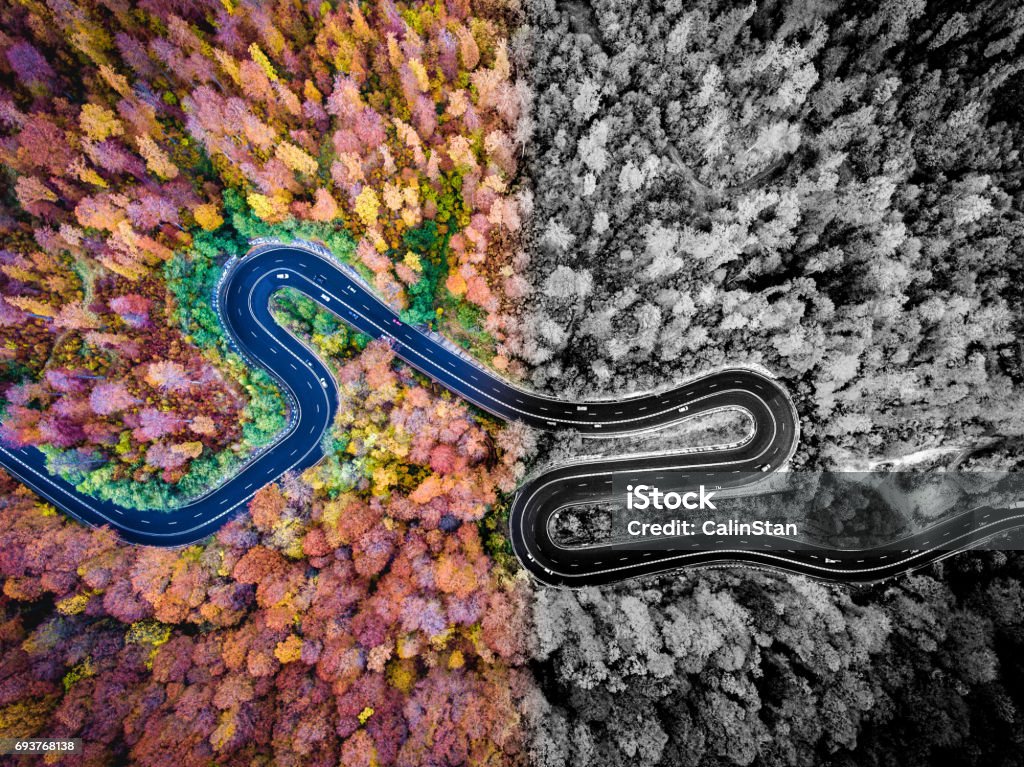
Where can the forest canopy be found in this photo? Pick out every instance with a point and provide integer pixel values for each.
(592, 197)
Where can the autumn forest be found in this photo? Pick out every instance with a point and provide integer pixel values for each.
(580, 195)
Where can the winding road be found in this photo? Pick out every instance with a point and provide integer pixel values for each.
(243, 299)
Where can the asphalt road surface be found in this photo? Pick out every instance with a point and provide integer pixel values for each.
(243, 304)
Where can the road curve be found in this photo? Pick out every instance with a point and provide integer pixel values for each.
(243, 298)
